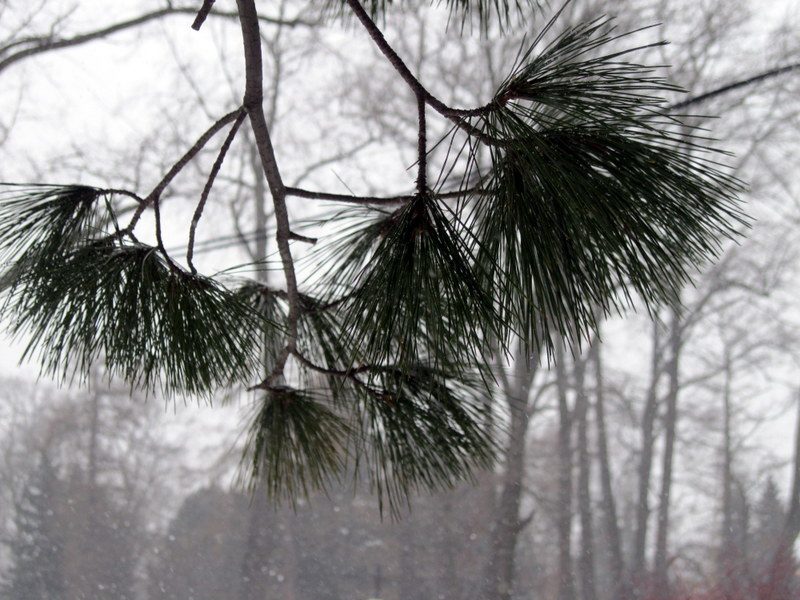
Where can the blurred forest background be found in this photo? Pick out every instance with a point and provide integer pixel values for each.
(654, 464)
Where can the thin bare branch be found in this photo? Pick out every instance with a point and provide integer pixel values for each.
(202, 14)
(178, 166)
(198, 213)
(46, 43)
(253, 104)
(456, 115)
(699, 99)
(422, 148)
(373, 200)
(302, 238)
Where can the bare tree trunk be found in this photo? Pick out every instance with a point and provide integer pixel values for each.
(784, 545)
(507, 525)
(661, 565)
(645, 466)
(621, 589)
(586, 564)
(500, 577)
(566, 584)
(728, 555)
(792, 528)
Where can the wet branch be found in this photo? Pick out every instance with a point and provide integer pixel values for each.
(733, 86)
(198, 213)
(373, 200)
(253, 104)
(456, 115)
(202, 14)
(178, 167)
(422, 148)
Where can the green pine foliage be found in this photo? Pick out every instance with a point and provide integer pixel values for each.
(82, 296)
(413, 291)
(593, 194)
(593, 197)
(429, 432)
(296, 444)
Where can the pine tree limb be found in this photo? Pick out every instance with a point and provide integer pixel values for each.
(700, 98)
(364, 200)
(202, 14)
(456, 115)
(209, 183)
(253, 104)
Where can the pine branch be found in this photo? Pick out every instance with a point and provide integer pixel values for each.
(179, 166)
(253, 104)
(349, 199)
(422, 148)
(296, 444)
(700, 98)
(590, 196)
(198, 213)
(151, 323)
(457, 116)
(486, 11)
(159, 239)
(202, 14)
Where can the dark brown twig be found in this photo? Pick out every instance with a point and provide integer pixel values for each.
(112, 215)
(732, 86)
(159, 239)
(350, 374)
(121, 192)
(458, 116)
(335, 372)
(253, 104)
(178, 166)
(302, 238)
(198, 213)
(422, 148)
(373, 200)
(202, 14)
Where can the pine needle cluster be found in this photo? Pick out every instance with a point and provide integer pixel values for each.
(83, 296)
